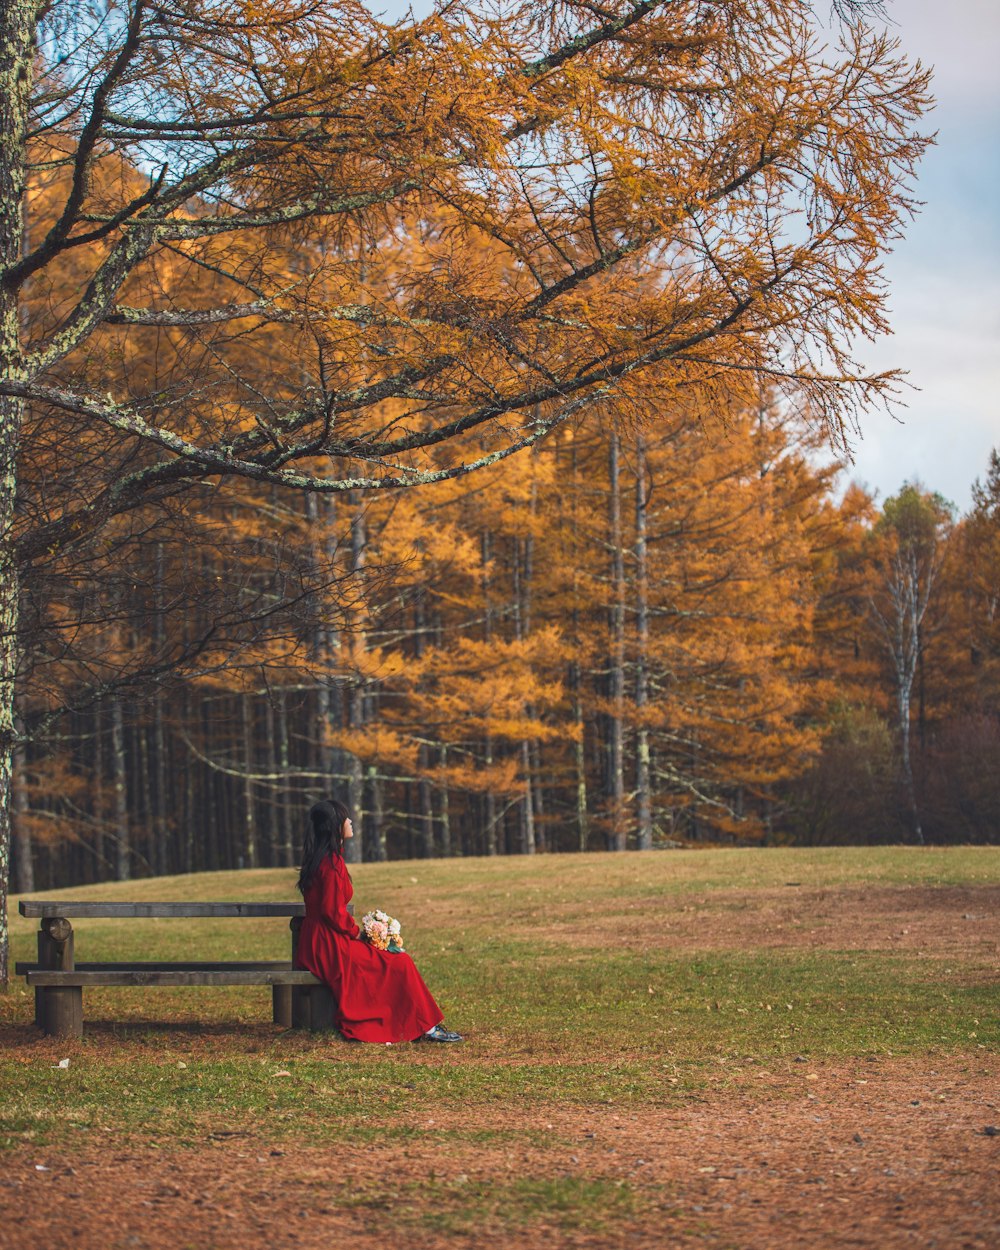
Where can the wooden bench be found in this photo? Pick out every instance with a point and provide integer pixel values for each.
(299, 1000)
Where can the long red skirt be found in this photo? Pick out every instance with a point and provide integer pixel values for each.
(381, 997)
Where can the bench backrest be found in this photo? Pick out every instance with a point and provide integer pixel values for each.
(46, 909)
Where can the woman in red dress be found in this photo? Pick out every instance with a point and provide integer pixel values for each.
(381, 997)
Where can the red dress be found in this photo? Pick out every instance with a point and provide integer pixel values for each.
(381, 997)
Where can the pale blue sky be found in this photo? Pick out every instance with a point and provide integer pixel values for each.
(945, 274)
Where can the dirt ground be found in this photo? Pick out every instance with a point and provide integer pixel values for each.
(869, 1154)
(961, 923)
(863, 1154)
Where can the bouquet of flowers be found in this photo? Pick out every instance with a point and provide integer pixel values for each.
(381, 931)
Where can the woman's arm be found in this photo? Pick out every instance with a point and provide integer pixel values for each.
(335, 898)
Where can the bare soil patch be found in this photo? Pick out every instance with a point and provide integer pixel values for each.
(863, 1154)
(949, 922)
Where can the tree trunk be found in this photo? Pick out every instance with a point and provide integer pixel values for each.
(576, 672)
(538, 796)
(321, 513)
(100, 851)
(522, 630)
(375, 810)
(208, 852)
(144, 786)
(616, 683)
(24, 881)
(580, 761)
(527, 804)
(248, 843)
(271, 806)
(356, 712)
(644, 817)
(161, 820)
(426, 807)
(490, 801)
(284, 801)
(903, 703)
(119, 787)
(17, 35)
(445, 810)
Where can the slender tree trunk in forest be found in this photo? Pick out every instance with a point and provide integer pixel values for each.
(100, 852)
(24, 881)
(538, 795)
(580, 762)
(644, 817)
(286, 852)
(204, 820)
(271, 807)
(376, 849)
(576, 674)
(426, 806)
(910, 583)
(161, 818)
(321, 513)
(187, 814)
(616, 683)
(490, 801)
(248, 850)
(119, 788)
(356, 705)
(445, 811)
(522, 630)
(408, 812)
(375, 809)
(903, 705)
(355, 775)
(527, 804)
(17, 50)
(425, 797)
(144, 786)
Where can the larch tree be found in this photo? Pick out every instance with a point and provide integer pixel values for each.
(698, 191)
(979, 562)
(907, 554)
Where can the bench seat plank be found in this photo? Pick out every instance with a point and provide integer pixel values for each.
(21, 969)
(231, 976)
(46, 909)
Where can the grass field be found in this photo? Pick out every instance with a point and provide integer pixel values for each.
(724, 1048)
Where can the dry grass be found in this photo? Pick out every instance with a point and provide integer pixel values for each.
(681, 1048)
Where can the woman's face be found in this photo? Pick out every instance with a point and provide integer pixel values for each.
(348, 829)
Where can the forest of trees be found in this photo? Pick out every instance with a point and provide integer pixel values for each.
(443, 411)
(630, 637)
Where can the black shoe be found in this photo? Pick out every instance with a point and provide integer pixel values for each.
(440, 1034)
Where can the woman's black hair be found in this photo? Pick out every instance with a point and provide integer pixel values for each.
(325, 836)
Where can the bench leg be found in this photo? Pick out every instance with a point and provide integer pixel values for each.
(301, 1006)
(58, 1009)
(321, 1009)
(313, 1008)
(281, 1002)
(62, 1010)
